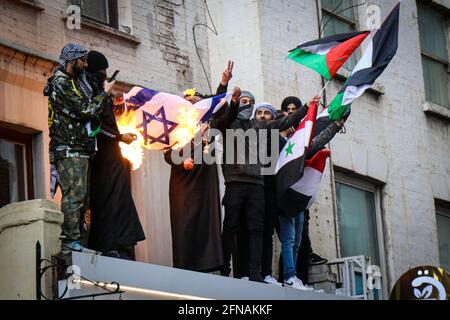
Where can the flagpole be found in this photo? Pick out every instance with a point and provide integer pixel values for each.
(324, 87)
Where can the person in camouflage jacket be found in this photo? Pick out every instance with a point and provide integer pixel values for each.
(69, 115)
(72, 143)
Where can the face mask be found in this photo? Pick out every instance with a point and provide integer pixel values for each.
(101, 77)
(245, 112)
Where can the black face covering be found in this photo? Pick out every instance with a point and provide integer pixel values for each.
(101, 77)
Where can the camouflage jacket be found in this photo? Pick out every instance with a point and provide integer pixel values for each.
(68, 113)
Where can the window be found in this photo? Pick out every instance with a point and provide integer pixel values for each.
(338, 16)
(443, 229)
(16, 176)
(101, 11)
(432, 28)
(359, 222)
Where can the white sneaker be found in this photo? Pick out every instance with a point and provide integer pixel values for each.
(271, 280)
(315, 290)
(245, 278)
(319, 290)
(296, 283)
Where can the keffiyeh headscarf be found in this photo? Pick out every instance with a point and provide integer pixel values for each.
(71, 52)
(264, 105)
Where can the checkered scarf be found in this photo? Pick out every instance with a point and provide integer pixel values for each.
(69, 53)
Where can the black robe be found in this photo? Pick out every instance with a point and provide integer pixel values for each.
(114, 220)
(195, 217)
(195, 209)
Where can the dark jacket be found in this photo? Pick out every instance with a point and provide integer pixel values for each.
(319, 141)
(247, 172)
(68, 113)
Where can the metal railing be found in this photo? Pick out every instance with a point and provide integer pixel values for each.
(352, 273)
(59, 268)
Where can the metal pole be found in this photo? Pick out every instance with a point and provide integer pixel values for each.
(38, 271)
(324, 87)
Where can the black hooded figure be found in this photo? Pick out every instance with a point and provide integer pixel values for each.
(115, 227)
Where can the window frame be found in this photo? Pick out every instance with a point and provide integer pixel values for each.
(359, 183)
(431, 56)
(353, 23)
(26, 140)
(441, 208)
(112, 13)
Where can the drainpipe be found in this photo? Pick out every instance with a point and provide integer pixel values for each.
(333, 185)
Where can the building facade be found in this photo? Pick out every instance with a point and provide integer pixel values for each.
(386, 190)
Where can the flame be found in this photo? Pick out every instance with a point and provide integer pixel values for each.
(188, 125)
(134, 151)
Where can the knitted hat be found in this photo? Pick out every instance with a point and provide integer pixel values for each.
(247, 94)
(96, 61)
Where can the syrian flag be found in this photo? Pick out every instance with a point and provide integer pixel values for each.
(380, 51)
(302, 194)
(291, 161)
(327, 55)
(157, 114)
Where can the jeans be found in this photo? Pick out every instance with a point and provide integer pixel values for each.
(291, 237)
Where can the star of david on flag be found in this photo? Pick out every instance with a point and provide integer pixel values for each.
(156, 113)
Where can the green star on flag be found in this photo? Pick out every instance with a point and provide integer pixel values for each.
(289, 149)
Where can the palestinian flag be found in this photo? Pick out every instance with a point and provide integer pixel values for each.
(302, 194)
(380, 51)
(328, 54)
(291, 161)
(322, 122)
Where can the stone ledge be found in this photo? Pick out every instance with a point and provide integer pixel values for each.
(27, 212)
(436, 110)
(10, 49)
(29, 4)
(108, 30)
(376, 89)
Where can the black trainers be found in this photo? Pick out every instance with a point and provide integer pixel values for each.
(317, 260)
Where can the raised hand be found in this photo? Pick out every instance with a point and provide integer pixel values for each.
(235, 94)
(227, 74)
(316, 99)
(109, 85)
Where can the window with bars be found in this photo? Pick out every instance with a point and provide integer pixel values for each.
(338, 16)
(433, 46)
(101, 11)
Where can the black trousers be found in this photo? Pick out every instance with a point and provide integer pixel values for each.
(243, 201)
(270, 219)
(304, 252)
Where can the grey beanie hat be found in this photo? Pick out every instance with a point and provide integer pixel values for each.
(247, 94)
